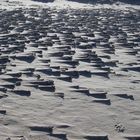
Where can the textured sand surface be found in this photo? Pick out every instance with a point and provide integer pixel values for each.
(69, 73)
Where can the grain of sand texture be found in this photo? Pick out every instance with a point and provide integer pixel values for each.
(69, 71)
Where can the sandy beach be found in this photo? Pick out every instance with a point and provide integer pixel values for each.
(69, 71)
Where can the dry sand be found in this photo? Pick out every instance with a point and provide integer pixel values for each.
(69, 71)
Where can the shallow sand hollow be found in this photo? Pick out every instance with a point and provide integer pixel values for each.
(69, 74)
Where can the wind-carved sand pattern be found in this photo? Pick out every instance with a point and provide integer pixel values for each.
(69, 74)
